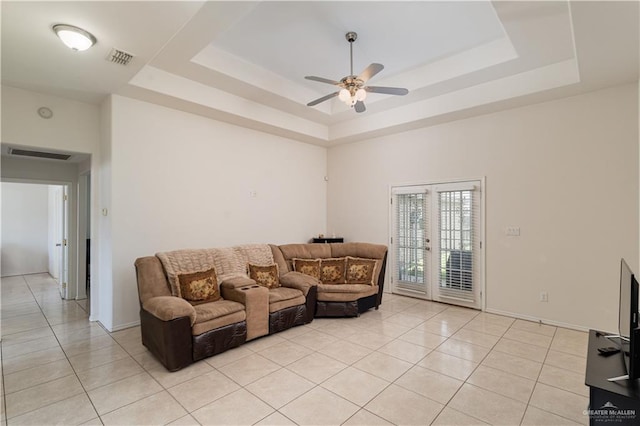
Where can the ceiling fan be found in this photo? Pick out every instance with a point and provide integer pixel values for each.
(352, 88)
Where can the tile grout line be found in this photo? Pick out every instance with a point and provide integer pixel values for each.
(4, 390)
(65, 357)
(538, 376)
(339, 339)
(469, 375)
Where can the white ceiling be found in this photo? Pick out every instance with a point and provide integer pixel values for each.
(245, 62)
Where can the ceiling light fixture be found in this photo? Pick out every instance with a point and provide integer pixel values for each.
(73, 37)
(353, 91)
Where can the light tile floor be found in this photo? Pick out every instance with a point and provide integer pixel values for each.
(411, 362)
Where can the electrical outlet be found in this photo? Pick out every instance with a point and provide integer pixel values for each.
(544, 296)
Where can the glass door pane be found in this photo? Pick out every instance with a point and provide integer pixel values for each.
(457, 244)
(411, 270)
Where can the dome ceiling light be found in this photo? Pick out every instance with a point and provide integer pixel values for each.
(74, 38)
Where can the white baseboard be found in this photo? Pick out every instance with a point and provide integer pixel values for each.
(123, 326)
(540, 320)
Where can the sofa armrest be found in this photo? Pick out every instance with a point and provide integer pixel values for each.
(167, 308)
(298, 280)
(255, 299)
(236, 282)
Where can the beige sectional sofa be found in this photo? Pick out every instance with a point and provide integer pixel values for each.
(345, 299)
(198, 303)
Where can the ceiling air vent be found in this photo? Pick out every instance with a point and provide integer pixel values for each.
(119, 57)
(39, 154)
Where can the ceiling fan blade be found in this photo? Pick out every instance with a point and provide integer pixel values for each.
(370, 71)
(322, 99)
(359, 106)
(387, 90)
(322, 80)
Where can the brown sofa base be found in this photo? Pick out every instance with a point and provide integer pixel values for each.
(219, 340)
(346, 309)
(287, 318)
(312, 299)
(169, 341)
(173, 345)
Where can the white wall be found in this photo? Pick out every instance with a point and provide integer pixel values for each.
(73, 127)
(565, 172)
(105, 291)
(25, 223)
(180, 180)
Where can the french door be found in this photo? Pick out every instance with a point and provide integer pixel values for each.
(436, 242)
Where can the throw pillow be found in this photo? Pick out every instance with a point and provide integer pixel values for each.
(199, 286)
(266, 276)
(309, 267)
(332, 271)
(360, 271)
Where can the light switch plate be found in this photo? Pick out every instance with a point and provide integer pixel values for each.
(513, 231)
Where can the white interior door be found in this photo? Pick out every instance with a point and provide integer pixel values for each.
(436, 242)
(56, 232)
(64, 242)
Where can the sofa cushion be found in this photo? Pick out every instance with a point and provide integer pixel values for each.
(285, 297)
(199, 286)
(345, 292)
(309, 267)
(266, 276)
(303, 251)
(360, 271)
(212, 324)
(217, 314)
(362, 250)
(211, 310)
(332, 270)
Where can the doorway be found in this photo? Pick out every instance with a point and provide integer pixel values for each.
(436, 242)
(35, 230)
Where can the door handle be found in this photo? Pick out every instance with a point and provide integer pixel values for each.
(59, 245)
(427, 248)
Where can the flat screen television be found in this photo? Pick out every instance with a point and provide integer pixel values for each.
(628, 321)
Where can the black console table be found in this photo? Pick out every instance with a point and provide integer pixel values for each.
(329, 240)
(614, 403)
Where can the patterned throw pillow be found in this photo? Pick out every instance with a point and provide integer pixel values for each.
(266, 276)
(309, 267)
(332, 271)
(360, 271)
(199, 286)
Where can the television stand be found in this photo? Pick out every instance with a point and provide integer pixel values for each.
(610, 402)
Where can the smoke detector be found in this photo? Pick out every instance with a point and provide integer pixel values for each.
(118, 56)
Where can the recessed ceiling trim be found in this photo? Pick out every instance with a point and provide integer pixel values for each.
(480, 57)
(537, 80)
(223, 62)
(160, 81)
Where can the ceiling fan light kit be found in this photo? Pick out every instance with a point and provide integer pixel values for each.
(353, 91)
